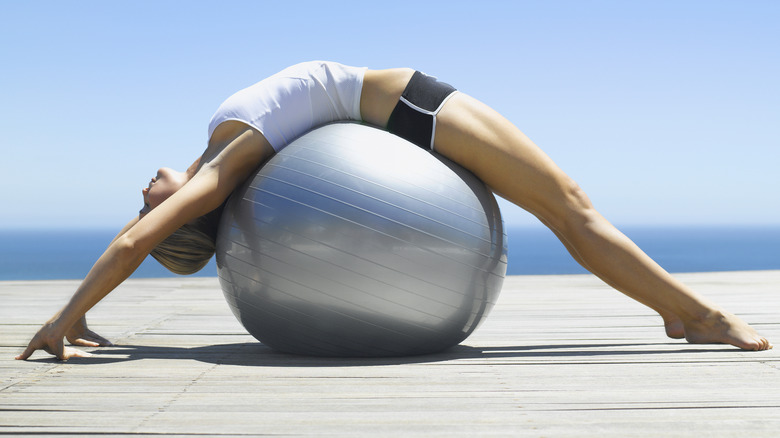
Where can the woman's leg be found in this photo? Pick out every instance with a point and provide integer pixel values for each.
(672, 324)
(475, 136)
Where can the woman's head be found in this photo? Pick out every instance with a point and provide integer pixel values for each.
(189, 248)
(161, 187)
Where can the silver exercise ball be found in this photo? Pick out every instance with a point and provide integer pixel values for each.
(354, 242)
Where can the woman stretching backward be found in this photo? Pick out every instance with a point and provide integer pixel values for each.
(177, 224)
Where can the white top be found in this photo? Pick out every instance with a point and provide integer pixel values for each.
(295, 101)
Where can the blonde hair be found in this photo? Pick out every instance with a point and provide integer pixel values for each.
(190, 248)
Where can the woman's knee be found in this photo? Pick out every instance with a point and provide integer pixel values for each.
(572, 210)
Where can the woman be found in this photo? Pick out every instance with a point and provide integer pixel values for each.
(254, 123)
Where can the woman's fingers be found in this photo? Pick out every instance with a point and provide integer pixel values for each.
(27, 353)
(101, 341)
(64, 354)
(87, 338)
(81, 342)
(38, 342)
(69, 352)
(91, 339)
(53, 344)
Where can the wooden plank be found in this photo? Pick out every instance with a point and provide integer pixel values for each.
(559, 356)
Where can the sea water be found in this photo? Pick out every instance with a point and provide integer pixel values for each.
(69, 254)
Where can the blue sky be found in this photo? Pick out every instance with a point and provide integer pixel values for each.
(665, 112)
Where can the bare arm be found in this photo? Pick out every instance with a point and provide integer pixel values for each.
(124, 229)
(190, 171)
(213, 183)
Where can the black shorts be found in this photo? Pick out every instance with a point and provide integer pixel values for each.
(414, 117)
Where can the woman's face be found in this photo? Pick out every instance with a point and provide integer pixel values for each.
(163, 185)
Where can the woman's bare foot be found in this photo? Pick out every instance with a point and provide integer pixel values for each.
(673, 326)
(722, 327)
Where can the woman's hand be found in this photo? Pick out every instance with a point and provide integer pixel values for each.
(49, 339)
(80, 334)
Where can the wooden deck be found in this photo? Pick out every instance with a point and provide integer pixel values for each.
(559, 356)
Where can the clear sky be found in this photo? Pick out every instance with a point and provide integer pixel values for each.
(665, 112)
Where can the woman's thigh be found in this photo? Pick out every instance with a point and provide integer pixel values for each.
(481, 140)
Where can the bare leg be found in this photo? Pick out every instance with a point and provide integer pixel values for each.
(672, 324)
(475, 136)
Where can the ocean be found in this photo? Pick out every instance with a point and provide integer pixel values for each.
(69, 254)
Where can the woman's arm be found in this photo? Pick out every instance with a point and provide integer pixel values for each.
(190, 171)
(121, 233)
(213, 183)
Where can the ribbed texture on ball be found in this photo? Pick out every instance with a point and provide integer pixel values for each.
(354, 242)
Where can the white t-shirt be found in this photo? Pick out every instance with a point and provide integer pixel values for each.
(295, 101)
